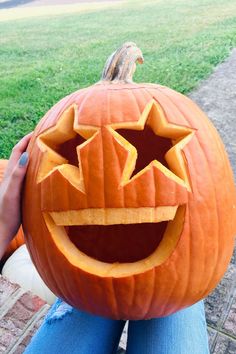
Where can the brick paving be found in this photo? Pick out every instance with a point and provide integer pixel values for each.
(21, 313)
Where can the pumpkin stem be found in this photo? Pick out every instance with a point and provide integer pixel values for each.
(121, 65)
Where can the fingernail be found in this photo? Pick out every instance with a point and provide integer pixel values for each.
(24, 159)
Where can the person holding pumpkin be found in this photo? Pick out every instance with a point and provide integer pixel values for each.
(70, 330)
(10, 193)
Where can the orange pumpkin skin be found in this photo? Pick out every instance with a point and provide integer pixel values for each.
(205, 244)
(19, 238)
(17, 241)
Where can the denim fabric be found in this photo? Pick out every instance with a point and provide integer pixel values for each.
(67, 330)
(184, 332)
(58, 311)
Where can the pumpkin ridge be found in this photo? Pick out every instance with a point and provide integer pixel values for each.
(206, 284)
(221, 149)
(217, 215)
(216, 208)
(185, 288)
(114, 298)
(151, 296)
(142, 98)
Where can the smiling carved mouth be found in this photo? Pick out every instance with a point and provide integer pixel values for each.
(98, 234)
(106, 248)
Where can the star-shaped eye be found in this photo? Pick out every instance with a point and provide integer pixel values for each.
(152, 141)
(59, 145)
(149, 146)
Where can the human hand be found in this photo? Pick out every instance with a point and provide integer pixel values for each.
(10, 193)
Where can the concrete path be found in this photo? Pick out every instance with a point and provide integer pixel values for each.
(63, 2)
(7, 4)
(11, 10)
(217, 98)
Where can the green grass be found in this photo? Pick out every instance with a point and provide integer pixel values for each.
(44, 59)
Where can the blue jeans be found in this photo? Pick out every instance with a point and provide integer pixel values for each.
(70, 331)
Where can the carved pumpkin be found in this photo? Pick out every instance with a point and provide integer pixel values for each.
(19, 238)
(129, 197)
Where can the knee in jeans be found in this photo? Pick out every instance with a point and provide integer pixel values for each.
(58, 311)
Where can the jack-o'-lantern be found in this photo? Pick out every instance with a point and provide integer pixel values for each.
(129, 199)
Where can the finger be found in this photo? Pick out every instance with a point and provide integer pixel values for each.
(20, 147)
(23, 143)
(17, 151)
(18, 174)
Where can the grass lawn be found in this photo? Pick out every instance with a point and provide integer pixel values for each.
(45, 58)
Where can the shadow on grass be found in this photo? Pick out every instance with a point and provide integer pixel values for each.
(7, 4)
